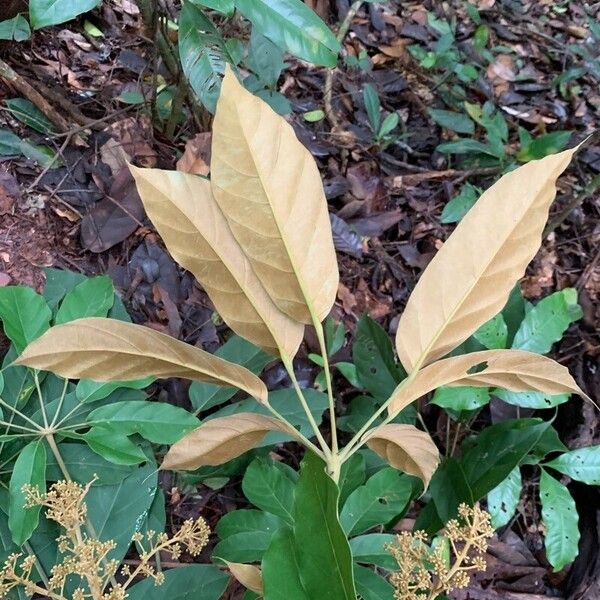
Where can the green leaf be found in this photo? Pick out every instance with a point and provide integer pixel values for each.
(547, 321)
(493, 334)
(549, 143)
(59, 283)
(9, 143)
(381, 500)
(117, 511)
(466, 146)
(389, 124)
(318, 544)
(93, 297)
(114, 446)
(449, 487)
(223, 6)
(270, 486)
(503, 500)
(157, 422)
(582, 464)
(372, 586)
(24, 315)
(243, 547)
(294, 27)
(371, 549)
(88, 390)
(203, 54)
(461, 398)
(454, 121)
(16, 29)
(535, 400)
(352, 474)
(247, 521)
(197, 582)
(373, 355)
(27, 112)
(281, 569)
(265, 59)
(560, 518)
(285, 402)
(513, 312)
(29, 469)
(83, 465)
(52, 12)
(497, 450)
(204, 396)
(372, 106)
(460, 205)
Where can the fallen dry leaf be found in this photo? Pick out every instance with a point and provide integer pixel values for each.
(196, 157)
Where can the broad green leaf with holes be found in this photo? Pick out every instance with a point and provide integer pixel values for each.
(547, 321)
(582, 464)
(560, 518)
(504, 498)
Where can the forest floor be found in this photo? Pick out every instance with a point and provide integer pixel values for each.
(83, 213)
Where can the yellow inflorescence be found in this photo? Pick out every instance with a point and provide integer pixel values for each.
(425, 571)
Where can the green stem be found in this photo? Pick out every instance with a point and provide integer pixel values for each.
(40, 397)
(289, 367)
(18, 413)
(355, 443)
(60, 403)
(332, 422)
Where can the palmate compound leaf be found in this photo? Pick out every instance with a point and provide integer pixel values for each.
(184, 212)
(220, 440)
(470, 278)
(269, 189)
(515, 370)
(110, 350)
(406, 448)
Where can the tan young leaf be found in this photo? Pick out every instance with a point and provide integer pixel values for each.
(406, 448)
(514, 370)
(248, 575)
(220, 440)
(111, 350)
(269, 189)
(190, 222)
(469, 279)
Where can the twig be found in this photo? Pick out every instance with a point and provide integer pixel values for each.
(579, 199)
(328, 90)
(25, 88)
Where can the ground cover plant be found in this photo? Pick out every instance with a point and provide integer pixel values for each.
(257, 236)
(310, 456)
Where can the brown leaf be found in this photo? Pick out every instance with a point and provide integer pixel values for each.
(469, 279)
(514, 370)
(405, 448)
(220, 440)
(114, 218)
(110, 350)
(196, 158)
(184, 212)
(248, 575)
(269, 189)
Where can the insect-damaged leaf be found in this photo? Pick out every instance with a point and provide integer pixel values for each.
(269, 189)
(406, 448)
(514, 370)
(470, 278)
(184, 212)
(109, 350)
(220, 440)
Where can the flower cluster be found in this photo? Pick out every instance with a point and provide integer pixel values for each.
(87, 557)
(426, 571)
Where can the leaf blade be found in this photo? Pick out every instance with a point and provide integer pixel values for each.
(182, 208)
(272, 197)
(110, 350)
(470, 278)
